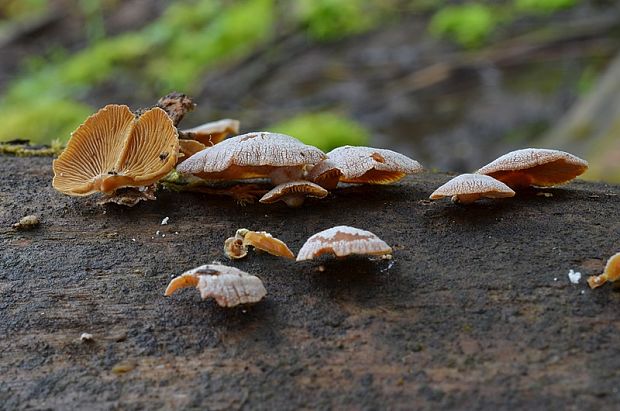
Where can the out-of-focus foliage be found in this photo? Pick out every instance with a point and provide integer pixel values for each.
(468, 24)
(333, 19)
(324, 130)
(170, 53)
(471, 23)
(18, 9)
(543, 6)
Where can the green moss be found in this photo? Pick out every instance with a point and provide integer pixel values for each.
(324, 130)
(468, 24)
(42, 120)
(543, 6)
(334, 19)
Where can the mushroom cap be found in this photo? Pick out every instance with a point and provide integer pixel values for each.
(228, 285)
(468, 188)
(293, 191)
(326, 174)
(251, 155)
(266, 242)
(371, 165)
(113, 149)
(213, 132)
(188, 148)
(535, 167)
(342, 241)
(611, 272)
(612, 268)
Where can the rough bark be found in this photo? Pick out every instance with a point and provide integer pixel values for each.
(475, 310)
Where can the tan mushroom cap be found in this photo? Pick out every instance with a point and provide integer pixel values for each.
(228, 285)
(326, 174)
(188, 148)
(535, 167)
(342, 241)
(294, 193)
(252, 155)
(468, 188)
(213, 132)
(113, 149)
(266, 242)
(611, 272)
(369, 165)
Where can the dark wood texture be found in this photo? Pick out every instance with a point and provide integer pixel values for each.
(475, 311)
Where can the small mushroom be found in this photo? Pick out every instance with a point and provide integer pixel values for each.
(228, 285)
(326, 174)
(254, 155)
(535, 167)
(468, 188)
(611, 272)
(112, 149)
(188, 148)
(236, 247)
(27, 223)
(367, 165)
(342, 241)
(294, 193)
(213, 132)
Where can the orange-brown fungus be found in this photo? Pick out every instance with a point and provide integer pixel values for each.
(188, 148)
(112, 149)
(611, 273)
(535, 167)
(264, 241)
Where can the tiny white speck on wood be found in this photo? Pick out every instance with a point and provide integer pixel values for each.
(574, 276)
(86, 337)
(165, 221)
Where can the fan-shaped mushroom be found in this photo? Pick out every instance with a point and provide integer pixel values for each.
(254, 155)
(326, 174)
(611, 272)
(228, 285)
(535, 167)
(367, 165)
(468, 188)
(294, 193)
(213, 132)
(112, 149)
(236, 247)
(342, 241)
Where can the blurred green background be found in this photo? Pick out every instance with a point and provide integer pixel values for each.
(453, 84)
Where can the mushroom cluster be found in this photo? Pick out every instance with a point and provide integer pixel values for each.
(513, 171)
(231, 287)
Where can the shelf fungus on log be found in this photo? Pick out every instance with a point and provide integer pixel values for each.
(468, 188)
(611, 272)
(362, 165)
(294, 193)
(535, 167)
(237, 247)
(229, 286)
(211, 133)
(279, 157)
(343, 241)
(113, 149)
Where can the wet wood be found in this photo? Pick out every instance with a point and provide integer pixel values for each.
(475, 310)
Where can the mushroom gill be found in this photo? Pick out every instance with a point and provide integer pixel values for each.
(113, 149)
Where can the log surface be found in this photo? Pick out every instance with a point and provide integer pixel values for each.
(475, 310)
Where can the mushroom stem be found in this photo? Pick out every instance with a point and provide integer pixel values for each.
(597, 280)
(182, 281)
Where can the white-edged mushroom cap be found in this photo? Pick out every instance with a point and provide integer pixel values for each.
(372, 165)
(342, 241)
(293, 193)
(535, 167)
(251, 155)
(229, 286)
(468, 188)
